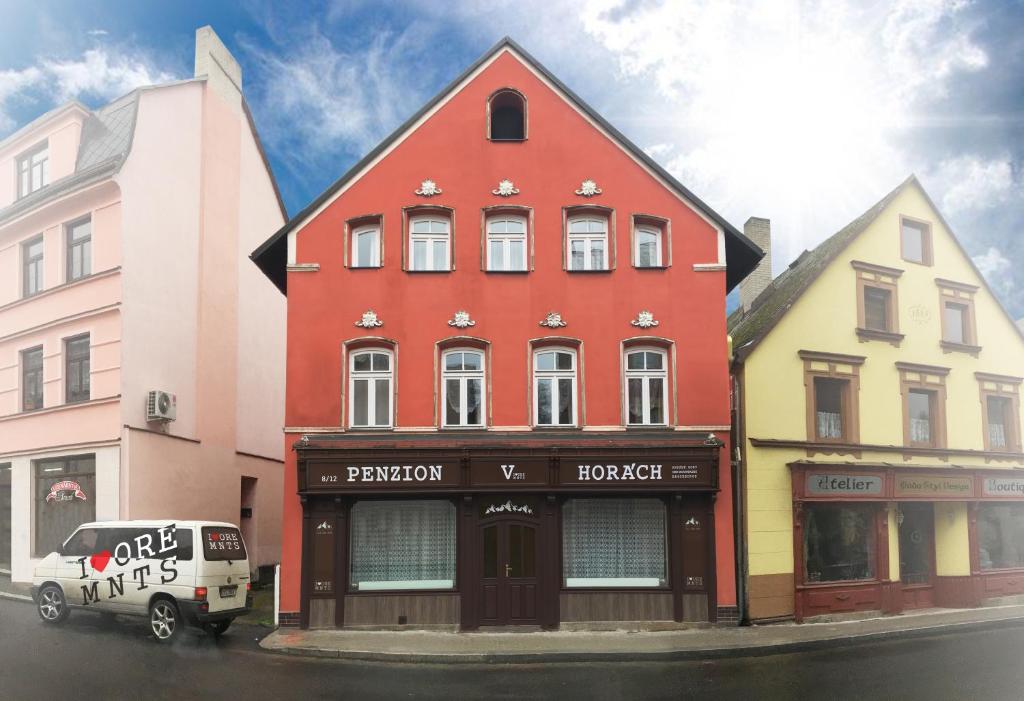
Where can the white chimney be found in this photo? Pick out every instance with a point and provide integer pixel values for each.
(215, 63)
(759, 231)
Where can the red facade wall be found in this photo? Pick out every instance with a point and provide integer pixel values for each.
(451, 148)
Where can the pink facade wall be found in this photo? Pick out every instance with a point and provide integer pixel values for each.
(63, 134)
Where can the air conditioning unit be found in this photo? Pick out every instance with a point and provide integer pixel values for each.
(161, 406)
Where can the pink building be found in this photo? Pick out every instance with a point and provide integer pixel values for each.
(124, 234)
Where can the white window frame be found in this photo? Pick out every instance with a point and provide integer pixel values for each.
(587, 238)
(506, 239)
(371, 391)
(375, 251)
(645, 376)
(37, 157)
(430, 238)
(555, 375)
(659, 256)
(463, 376)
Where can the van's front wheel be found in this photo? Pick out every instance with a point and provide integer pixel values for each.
(52, 606)
(217, 628)
(164, 620)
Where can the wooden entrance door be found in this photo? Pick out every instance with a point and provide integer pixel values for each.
(509, 579)
(917, 554)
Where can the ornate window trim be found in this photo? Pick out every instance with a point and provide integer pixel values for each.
(1006, 387)
(415, 211)
(833, 366)
(511, 210)
(598, 212)
(960, 294)
(663, 227)
(871, 276)
(926, 378)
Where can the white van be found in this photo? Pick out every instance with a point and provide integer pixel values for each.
(174, 572)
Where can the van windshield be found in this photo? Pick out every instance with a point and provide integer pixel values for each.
(222, 543)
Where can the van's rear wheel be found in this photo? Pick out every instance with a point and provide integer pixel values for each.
(52, 606)
(217, 628)
(165, 621)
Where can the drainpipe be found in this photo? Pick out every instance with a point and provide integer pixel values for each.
(739, 493)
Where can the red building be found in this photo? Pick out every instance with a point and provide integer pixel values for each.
(507, 382)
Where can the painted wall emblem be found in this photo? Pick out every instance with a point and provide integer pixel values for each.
(461, 320)
(645, 320)
(428, 188)
(588, 188)
(369, 320)
(505, 189)
(65, 491)
(920, 314)
(553, 320)
(509, 508)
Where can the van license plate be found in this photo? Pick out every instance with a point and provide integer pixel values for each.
(228, 592)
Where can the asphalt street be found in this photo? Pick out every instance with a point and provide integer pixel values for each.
(93, 658)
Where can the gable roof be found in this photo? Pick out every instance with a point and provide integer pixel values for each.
(741, 254)
(104, 146)
(750, 328)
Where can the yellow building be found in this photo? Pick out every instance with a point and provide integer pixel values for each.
(878, 419)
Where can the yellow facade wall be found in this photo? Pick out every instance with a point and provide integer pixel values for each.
(952, 548)
(825, 319)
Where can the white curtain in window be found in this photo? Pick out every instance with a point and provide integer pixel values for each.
(997, 436)
(830, 425)
(920, 430)
(614, 543)
(403, 545)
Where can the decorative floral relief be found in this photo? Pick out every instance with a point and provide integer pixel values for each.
(461, 320)
(428, 188)
(369, 320)
(505, 189)
(553, 320)
(508, 507)
(645, 320)
(588, 188)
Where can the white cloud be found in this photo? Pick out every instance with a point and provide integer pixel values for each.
(319, 101)
(792, 110)
(970, 183)
(998, 270)
(100, 72)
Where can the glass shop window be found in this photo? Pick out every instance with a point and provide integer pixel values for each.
(1000, 536)
(614, 543)
(839, 542)
(401, 545)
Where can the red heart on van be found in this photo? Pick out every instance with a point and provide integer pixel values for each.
(100, 560)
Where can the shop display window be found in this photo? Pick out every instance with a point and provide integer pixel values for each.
(839, 542)
(614, 543)
(1000, 536)
(402, 545)
(65, 498)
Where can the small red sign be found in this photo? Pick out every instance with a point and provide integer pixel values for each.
(59, 491)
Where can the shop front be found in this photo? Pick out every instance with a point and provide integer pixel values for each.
(877, 538)
(471, 537)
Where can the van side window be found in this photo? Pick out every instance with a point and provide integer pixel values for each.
(149, 540)
(83, 542)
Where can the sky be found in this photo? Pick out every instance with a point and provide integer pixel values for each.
(804, 112)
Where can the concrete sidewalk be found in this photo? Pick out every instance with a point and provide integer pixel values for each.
(562, 646)
(12, 590)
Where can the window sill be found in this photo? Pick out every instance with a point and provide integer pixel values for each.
(370, 429)
(365, 267)
(507, 272)
(428, 272)
(554, 427)
(588, 272)
(953, 347)
(651, 267)
(648, 427)
(874, 335)
(464, 428)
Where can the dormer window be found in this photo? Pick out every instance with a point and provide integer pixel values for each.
(506, 116)
(34, 169)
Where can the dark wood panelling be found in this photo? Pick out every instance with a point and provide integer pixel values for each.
(321, 613)
(955, 592)
(839, 599)
(617, 606)
(695, 608)
(385, 610)
(990, 585)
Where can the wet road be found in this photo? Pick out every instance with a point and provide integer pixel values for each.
(90, 658)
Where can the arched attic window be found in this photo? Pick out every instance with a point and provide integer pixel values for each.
(506, 112)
